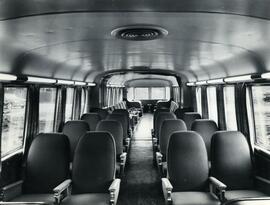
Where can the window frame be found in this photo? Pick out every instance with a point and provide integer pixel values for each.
(224, 104)
(255, 146)
(55, 103)
(26, 118)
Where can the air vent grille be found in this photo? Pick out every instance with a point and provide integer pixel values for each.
(139, 33)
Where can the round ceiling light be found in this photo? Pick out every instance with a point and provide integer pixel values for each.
(139, 33)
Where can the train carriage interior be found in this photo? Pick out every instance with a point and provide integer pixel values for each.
(134, 102)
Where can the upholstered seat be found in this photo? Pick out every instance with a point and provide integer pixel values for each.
(101, 112)
(206, 128)
(187, 179)
(92, 119)
(74, 130)
(190, 117)
(87, 199)
(232, 165)
(47, 166)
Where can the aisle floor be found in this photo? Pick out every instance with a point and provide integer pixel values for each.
(141, 184)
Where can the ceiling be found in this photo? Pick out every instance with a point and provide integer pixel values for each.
(72, 39)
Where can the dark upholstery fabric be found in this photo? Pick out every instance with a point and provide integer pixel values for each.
(87, 199)
(156, 114)
(206, 128)
(190, 117)
(101, 112)
(47, 198)
(168, 127)
(194, 198)
(122, 112)
(74, 130)
(179, 112)
(187, 162)
(235, 194)
(160, 119)
(122, 119)
(94, 163)
(116, 130)
(231, 160)
(163, 104)
(92, 119)
(47, 163)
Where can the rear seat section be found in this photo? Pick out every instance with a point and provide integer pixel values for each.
(206, 128)
(232, 165)
(122, 119)
(92, 119)
(126, 114)
(179, 112)
(167, 129)
(116, 130)
(159, 120)
(187, 179)
(190, 117)
(74, 130)
(47, 166)
(155, 119)
(93, 175)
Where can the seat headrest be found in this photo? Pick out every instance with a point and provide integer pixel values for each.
(168, 127)
(92, 119)
(75, 129)
(94, 163)
(47, 163)
(116, 130)
(160, 118)
(187, 161)
(122, 119)
(231, 159)
(206, 128)
(190, 117)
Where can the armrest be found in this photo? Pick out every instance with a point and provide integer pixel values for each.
(218, 188)
(123, 158)
(167, 190)
(62, 190)
(114, 191)
(159, 157)
(11, 191)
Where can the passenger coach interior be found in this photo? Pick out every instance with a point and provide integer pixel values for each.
(135, 102)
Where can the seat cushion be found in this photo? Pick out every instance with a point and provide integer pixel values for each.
(87, 199)
(194, 198)
(47, 198)
(233, 194)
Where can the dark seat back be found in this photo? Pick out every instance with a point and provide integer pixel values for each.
(47, 163)
(163, 104)
(168, 127)
(160, 119)
(103, 113)
(179, 112)
(122, 112)
(92, 119)
(187, 162)
(156, 114)
(94, 163)
(122, 119)
(116, 130)
(74, 130)
(231, 160)
(190, 117)
(206, 128)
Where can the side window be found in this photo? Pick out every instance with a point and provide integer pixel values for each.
(261, 107)
(47, 98)
(212, 103)
(229, 108)
(130, 94)
(13, 119)
(83, 95)
(69, 104)
(199, 99)
(250, 115)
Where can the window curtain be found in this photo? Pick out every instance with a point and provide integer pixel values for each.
(76, 103)
(60, 108)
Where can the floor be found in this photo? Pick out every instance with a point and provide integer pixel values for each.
(141, 184)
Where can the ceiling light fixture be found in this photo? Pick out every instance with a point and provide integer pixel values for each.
(242, 78)
(65, 82)
(203, 82)
(216, 81)
(7, 77)
(40, 80)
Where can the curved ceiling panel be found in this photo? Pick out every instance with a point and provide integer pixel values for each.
(79, 45)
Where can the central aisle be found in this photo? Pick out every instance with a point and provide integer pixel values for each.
(141, 184)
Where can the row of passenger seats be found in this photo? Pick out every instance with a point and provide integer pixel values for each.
(204, 163)
(48, 177)
(86, 156)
